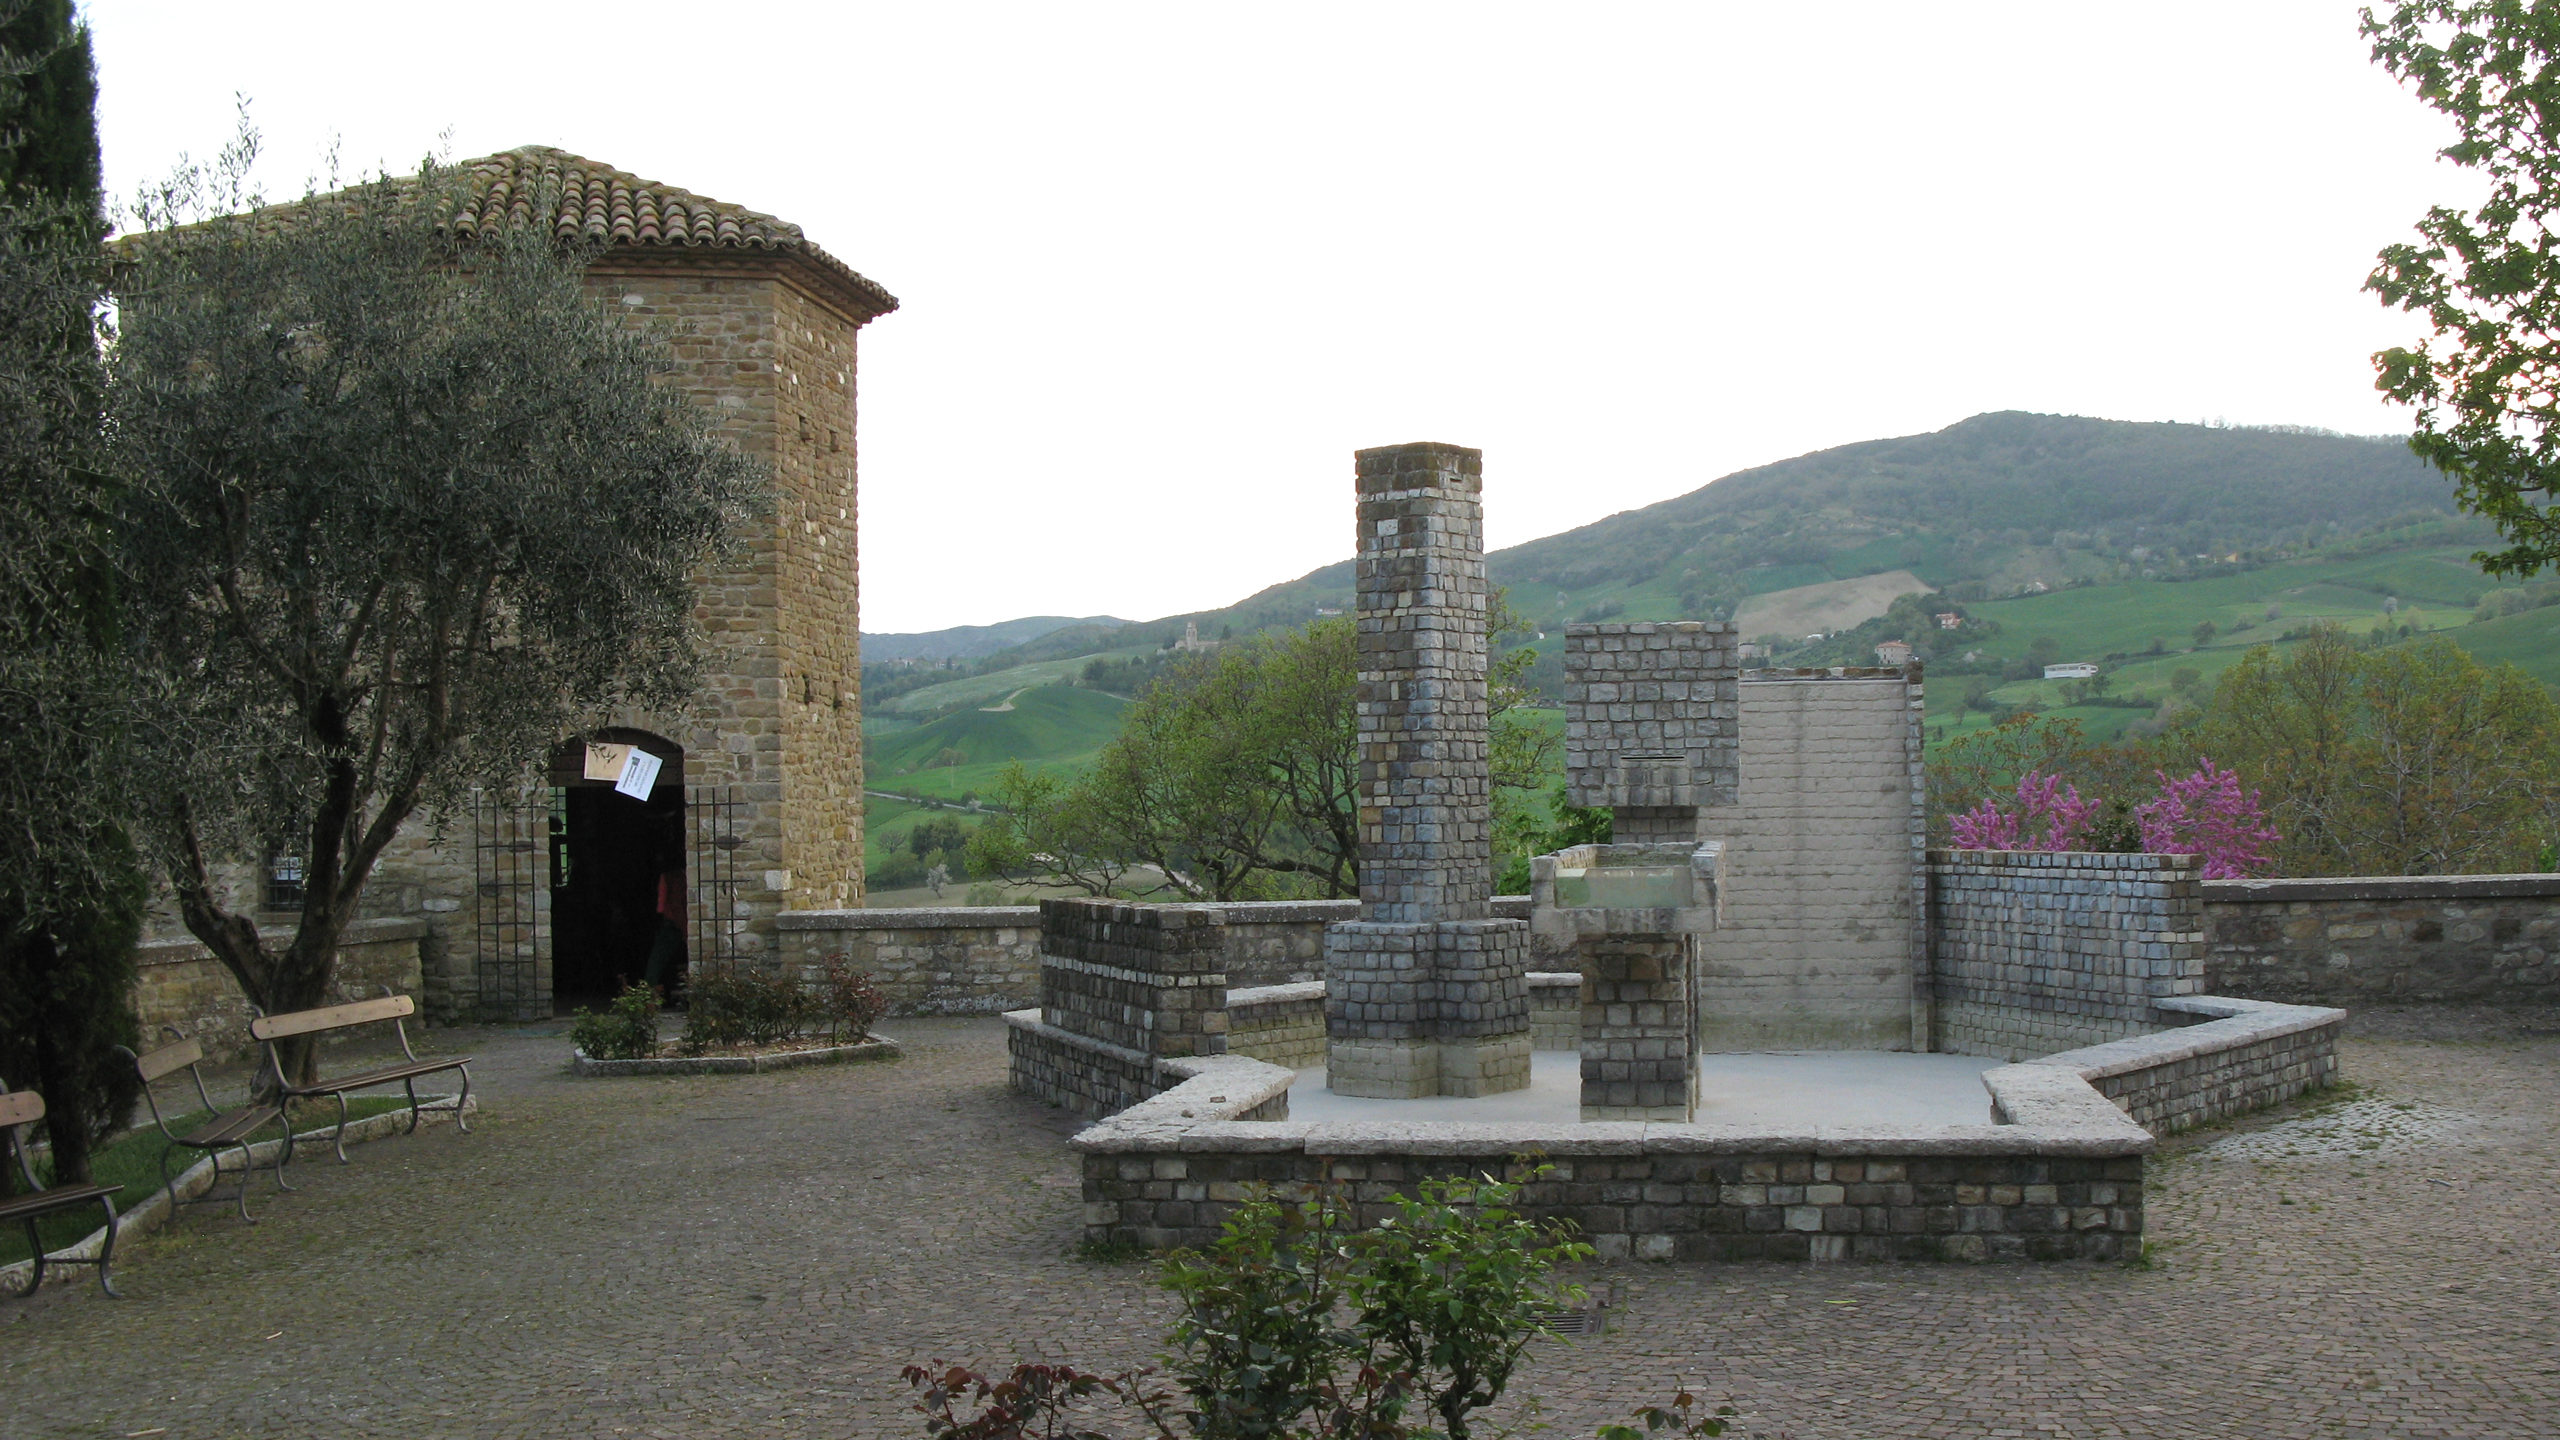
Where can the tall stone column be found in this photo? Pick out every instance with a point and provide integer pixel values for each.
(1426, 994)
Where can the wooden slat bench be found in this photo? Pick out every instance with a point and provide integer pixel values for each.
(268, 1029)
(19, 1109)
(227, 1130)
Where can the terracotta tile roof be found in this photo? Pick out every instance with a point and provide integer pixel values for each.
(582, 199)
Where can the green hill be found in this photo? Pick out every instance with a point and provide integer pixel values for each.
(1988, 507)
(1049, 727)
(2112, 539)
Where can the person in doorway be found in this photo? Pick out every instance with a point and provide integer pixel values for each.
(666, 969)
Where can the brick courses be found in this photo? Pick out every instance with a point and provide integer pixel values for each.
(1651, 720)
(2385, 938)
(1426, 991)
(2034, 953)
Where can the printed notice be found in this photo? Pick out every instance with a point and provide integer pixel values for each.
(608, 762)
(639, 774)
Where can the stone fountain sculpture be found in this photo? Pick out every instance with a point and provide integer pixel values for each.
(1651, 734)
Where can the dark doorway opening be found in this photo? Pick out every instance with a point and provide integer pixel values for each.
(617, 877)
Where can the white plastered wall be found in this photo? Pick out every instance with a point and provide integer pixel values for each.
(1821, 945)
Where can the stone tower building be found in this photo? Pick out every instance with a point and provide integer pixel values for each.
(556, 892)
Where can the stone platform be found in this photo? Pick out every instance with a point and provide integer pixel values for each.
(1780, 1090)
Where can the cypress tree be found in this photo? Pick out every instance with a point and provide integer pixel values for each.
(51, 108)
(71, 897)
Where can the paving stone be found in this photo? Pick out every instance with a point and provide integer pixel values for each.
(757, 1255)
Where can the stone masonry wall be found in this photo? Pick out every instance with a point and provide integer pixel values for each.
(1280, 1024)
(984, 960)
(1087, 1077)
(1782, 1204)
(1145, 978)
(2364, 939)
(2036, 953)
(1649, 722)
(2221, 1057)
(179, 982)
(1822, 944)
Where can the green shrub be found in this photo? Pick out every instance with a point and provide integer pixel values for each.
(848, 1001)
(737, 1005)
(1300, 1324)
(626, 1030)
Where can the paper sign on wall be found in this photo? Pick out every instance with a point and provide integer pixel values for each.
(607, 762)
(639, 774)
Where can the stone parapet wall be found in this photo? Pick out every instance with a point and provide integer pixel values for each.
(1280, 1024)
(984, 960)
(936, 961)
(2362, 939)
(1093, 1079)
(178, 982)
(2063, 1182)
(2034, 952)
(2228, 1057)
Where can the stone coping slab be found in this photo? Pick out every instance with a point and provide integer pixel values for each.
(1253, 995)
(876, 1047)
(155, 1211)
(178, 949)
(2351, 888)
(2230, 1023)
(2055, 1113)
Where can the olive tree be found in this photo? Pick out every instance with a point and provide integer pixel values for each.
(1235, 776)
(407, 508)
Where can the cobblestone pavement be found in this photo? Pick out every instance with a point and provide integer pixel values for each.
(757, 1255)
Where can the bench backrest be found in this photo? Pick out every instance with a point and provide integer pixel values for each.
(20, 1107)
(168, 1059)
(331, 1017)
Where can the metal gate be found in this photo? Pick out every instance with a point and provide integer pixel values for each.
(719, 922)
(508, 832)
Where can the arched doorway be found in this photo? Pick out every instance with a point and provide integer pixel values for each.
(617, 874)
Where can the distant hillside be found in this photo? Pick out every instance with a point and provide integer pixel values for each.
(968, 642)
(1998, 505)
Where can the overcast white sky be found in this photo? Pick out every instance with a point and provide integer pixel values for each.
(1165, 266)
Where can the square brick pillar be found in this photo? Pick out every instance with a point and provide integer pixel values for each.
(1426, 993)
(1640, 1028)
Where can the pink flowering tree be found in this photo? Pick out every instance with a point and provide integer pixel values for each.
(2208, 814)
(2051, 815)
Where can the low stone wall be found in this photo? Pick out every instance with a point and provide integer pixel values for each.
(960, 960)
(2228, 1057)
(1278, 1024)
(937, 961)
(2064, 1181)
(179, 983)
(1555, 1010)
(2034, 952)
(2385, 938)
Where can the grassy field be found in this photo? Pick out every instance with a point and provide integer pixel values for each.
(991, 688)
(1054, 728)
(2436, 589)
